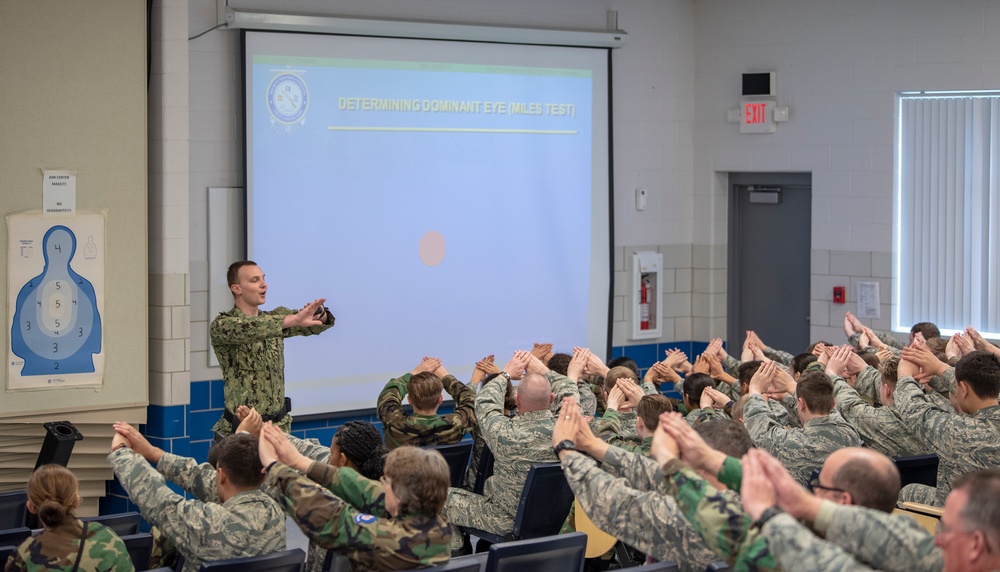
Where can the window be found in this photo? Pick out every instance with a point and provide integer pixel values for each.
(947, 213)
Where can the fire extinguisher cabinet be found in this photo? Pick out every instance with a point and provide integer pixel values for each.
(647, 279)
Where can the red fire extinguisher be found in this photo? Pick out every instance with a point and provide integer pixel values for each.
(644, 304)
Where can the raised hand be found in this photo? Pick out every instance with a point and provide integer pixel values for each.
(701, 365)
(542, 351)
(675, 359)
(713, 398)
(873, 339)
(756, 492)
(566, 425)
(282, 448)
(925, 359)
(837, 365)
(517, 363)
(693, 449)
(138, 443)
(762, 378)
(427, 364)
(305, 317)
(615, 398)
(578, 363)
(664, 448)
(633, 393)
(536, 365)
(251, 421)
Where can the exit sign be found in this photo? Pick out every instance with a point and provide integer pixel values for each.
(757, 116)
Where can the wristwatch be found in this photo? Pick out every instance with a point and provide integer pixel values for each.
(564, 445)
(767, 515)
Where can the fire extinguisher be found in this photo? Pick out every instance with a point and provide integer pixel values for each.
(644, 304)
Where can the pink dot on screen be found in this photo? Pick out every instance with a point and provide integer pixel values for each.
(432, 248)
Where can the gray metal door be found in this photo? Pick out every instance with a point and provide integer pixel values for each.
(770, 237)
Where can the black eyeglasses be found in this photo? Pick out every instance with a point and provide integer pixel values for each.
(814, 485)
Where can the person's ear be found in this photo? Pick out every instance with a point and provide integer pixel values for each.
(32, 508)
(220, 475)
(552, 397)
(639, 425)
(342, 460)
(440, 399)
(235, 289)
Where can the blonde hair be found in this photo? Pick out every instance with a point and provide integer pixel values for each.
(420, 479)
(53, 492)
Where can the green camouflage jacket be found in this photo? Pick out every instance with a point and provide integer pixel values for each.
(353, 519)
(57, 549)
(420, 430)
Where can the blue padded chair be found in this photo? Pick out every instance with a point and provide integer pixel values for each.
(139, 546)
(919, 469)
(668, 566)
(285, 561)
(559, 553)
(544, 505)
(457, 456)
(484, 469)
(123, 523)
(13, 508)
(14, 536)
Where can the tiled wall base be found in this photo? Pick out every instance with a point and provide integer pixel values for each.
(187, 429)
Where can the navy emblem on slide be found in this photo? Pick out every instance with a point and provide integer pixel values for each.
(287, 99)
(57, 328)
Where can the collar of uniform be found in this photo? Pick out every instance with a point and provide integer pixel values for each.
(991, 411)
(824, 420)
(540, 414)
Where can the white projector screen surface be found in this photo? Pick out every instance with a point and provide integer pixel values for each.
(449, 199)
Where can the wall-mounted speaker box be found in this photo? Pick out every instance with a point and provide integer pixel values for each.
(759, 83)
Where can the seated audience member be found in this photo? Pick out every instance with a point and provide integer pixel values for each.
(516, 443)
(647, 409)
(392, 524)
(623, 495)
(801, 450)
(422, 387)
(573, 367)
(881, 428)
(357, 444)
(858, 334)
(963, 442)
(624, 412)
(230, 518)
(694, 386)
(799, 364)
(856, 538)
(66, 543)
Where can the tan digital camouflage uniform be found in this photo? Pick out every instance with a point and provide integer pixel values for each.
(516, 442)
(635, 508)
(247, 524)
(856, 538)
(340, 510)
(251, 353)
(963, 443)
(57, 549)
(799, 450)
(420, 430)
(609, 428)
(881, 428)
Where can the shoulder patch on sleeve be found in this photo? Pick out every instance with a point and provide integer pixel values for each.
(363, 518)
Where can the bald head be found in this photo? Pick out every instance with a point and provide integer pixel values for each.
(533, 393)
(869, 477)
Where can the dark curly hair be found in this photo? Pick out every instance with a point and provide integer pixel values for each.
(362, 444)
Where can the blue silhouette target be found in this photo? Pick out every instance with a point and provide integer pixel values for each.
(57, 327)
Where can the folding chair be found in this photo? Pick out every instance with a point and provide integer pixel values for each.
(559, 553)
(285, 561)
(457, 455)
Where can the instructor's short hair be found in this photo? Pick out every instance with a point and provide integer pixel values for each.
(233, 274)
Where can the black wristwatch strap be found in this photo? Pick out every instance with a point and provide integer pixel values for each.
(767, 515)
(564, 445)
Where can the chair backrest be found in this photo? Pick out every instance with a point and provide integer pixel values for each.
(457, 455)
(13, 508)
(14, 536)
(285, 561)
(928, 522)
(139, 546)
(484, 469)
(560, 553)
(123, 523)
(335, 562)
(5, 552)
(668, 566)
(545, 502)
(920, 469)
(718, 567)
(461, 564)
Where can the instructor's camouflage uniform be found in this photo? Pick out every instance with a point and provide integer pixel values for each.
(881, 427)
(251, 353)
(57, 549)
(421, 430)
(248, 524)
(353, 520)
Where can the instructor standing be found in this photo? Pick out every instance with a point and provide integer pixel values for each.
(249, 343)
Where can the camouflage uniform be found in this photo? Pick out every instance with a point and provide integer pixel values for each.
(881, 427)
(353, 519)
(311, 448)
(867, 385)
(57, 549)
(420, 430)
(251, 353)
(516, 442)
(963, 443)
(626, 425)
(895, 543)
(247, 524)
(701, 415)
(609, 428)
(635, 509)
(800, 450)
(885, 337)
(719, 517)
